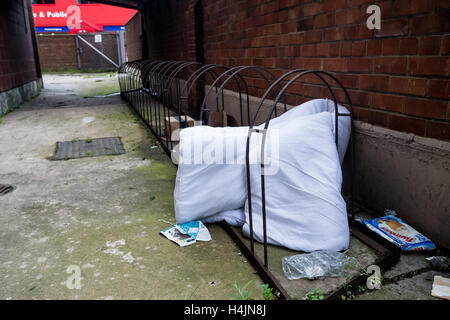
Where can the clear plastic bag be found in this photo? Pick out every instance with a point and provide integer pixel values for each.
(441, 263)
(314, 265)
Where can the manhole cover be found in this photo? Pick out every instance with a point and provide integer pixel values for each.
(6, 188)
(88, 148)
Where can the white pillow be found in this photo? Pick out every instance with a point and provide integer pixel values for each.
(205, 185)
(234, 217)
(316, 106)
(212, 192)
(304, 207)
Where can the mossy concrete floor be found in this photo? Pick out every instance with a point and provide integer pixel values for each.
(63, 213)
(104, 214)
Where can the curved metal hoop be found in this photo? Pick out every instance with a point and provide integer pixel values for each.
(298, 74)
(159, 90)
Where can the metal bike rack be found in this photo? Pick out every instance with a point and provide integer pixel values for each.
(159, 89)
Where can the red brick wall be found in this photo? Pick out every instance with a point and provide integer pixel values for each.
(17, 58)
(133, 40)
(57, 52)
(398, 77)
(170, 30)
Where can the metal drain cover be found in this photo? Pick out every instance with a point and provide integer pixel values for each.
(6, 188)
(88, 148)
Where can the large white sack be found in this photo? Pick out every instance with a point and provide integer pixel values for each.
(317, 106)
(304, 207)
(234, 217)
(206, 189)
(211, 174)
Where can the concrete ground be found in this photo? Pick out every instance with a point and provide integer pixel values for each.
(103, 215)
(64, 213)
(410, 279)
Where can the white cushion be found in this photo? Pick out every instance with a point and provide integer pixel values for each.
(305, 210)
(205, 185)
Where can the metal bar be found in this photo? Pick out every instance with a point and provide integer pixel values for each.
(98, 51)
(77, 45)
(168, 152)
(249, 191)
(389, 256)
(263, 197)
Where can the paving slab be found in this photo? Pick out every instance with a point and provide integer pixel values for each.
(297, 289)
(415, 288)
(409, 262)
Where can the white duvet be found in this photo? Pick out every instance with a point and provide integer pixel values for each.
(206, 183)
(304, 208)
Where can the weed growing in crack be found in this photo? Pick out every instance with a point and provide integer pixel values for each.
(315, 294)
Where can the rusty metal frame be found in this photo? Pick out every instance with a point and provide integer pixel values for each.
(388, 253)
(388, 256)
(146, 84)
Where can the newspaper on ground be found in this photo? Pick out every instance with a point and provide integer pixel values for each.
(187, 233)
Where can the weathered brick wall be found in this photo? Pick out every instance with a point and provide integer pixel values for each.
(17, 58)
(170, 29)
(398, 77)
(57, 52)
(133, 40)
